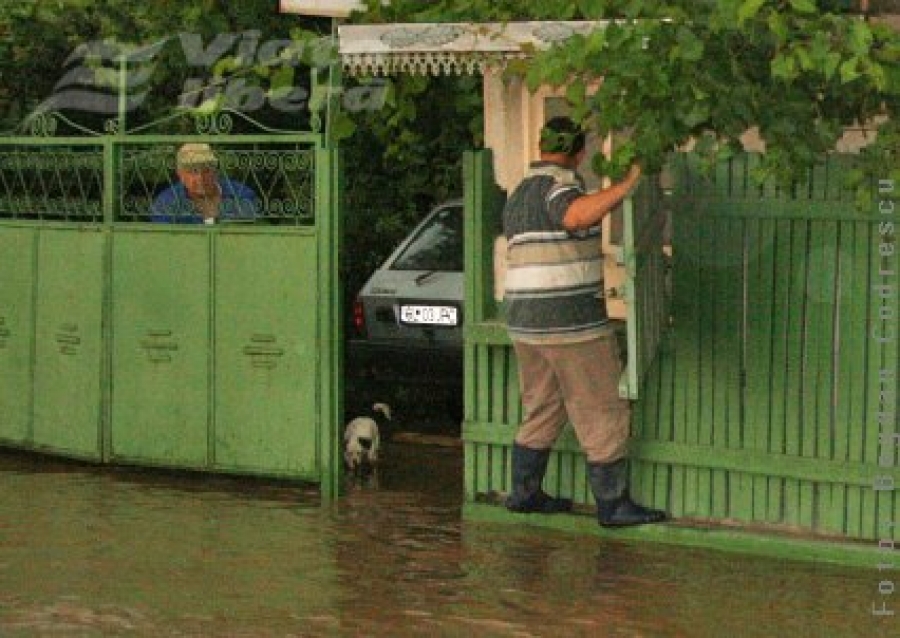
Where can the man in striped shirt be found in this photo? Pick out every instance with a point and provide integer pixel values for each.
(556, 317)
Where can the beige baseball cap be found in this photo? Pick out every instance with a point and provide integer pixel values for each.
(196, 155)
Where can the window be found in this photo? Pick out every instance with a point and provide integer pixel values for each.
(438, 245)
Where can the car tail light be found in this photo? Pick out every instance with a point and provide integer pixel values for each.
(359, 318)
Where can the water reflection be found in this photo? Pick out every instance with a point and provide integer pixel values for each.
(87, 553)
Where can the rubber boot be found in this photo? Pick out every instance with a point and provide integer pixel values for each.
(609, 483)
(528, 469)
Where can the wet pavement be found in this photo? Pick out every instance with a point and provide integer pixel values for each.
(87, 552)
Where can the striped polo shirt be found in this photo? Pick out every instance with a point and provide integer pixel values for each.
(554, 278)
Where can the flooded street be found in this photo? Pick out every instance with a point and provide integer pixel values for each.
(85, 552)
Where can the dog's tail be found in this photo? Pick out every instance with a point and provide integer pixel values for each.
(382, 415)
(381, 410)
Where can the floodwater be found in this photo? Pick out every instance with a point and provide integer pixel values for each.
(87, 552)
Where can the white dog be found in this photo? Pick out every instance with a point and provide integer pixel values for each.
(362, 439)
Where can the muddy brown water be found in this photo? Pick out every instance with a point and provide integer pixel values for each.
(88, 552)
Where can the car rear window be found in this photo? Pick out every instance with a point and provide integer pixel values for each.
(437, 246)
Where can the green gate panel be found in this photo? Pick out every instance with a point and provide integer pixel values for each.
(69, 341)
(213, 348)
(644, 222)
(266, 309)
(160, 353)
(16, 330)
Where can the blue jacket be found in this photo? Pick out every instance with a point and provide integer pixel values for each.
(173, 206)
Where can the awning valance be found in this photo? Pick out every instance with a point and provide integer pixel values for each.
(446, 48)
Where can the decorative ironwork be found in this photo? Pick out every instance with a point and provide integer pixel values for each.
(46, 122)
(215, 124)
(266, 174)
(51, 124)
(112, 126)
(51, 183)
(222, 122)
(43, 125)
(281, 181)
(270, 182)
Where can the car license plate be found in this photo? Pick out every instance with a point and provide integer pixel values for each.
(429, 315)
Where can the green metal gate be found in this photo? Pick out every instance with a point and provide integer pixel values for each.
(646, 294)
(212, 348)
(68, 339)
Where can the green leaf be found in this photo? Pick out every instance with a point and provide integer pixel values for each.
(557, 71)
(282, 79)
(576, 92)
(784, 67)
(803, 56)
(832, 60)
(861, 38)
(804, 6)
(778, 26)
(690, 45)
(849, 70)
(749, 9)
(592, 8)
(877, 74)
(342, 126)
(889, 53)
(697, 114)
(226, 65)
(210, 106)
(534, 78)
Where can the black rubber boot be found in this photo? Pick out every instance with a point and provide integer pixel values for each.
(528, 469)
(609, 483)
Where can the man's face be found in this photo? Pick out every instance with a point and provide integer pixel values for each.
(199, 182)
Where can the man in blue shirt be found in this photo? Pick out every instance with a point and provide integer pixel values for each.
(202, 196)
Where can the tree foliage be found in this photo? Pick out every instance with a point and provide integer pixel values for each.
(40, 41)
(675, 71)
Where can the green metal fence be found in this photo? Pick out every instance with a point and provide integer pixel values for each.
(759, 413)
(213, 348)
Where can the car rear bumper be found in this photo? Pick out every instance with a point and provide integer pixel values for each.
(420, 364)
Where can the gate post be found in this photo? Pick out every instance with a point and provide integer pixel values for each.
(112, 179)
(331, 329)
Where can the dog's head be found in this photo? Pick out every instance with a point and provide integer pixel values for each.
(358, 460)
(361, 439)
(353, 457)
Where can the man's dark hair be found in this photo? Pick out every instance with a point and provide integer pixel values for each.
(562, 135)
